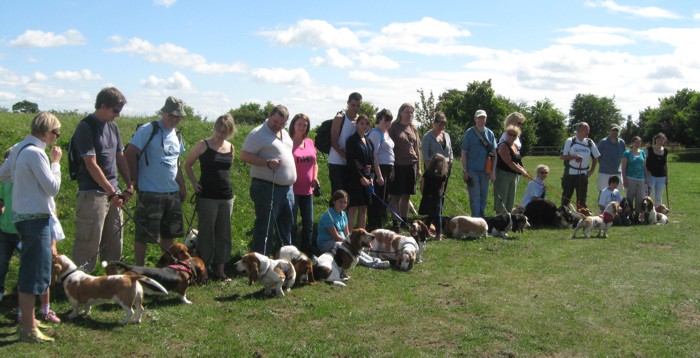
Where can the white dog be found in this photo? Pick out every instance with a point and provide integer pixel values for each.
(273, 274)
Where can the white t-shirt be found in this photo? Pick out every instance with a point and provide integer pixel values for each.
(262, 142)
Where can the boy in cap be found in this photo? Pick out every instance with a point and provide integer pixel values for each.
(154, 162)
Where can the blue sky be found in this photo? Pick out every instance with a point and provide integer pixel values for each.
(309, 55)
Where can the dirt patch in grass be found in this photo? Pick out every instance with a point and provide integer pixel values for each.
(653, 245)
(688, 315)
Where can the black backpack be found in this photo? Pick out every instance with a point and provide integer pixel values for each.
(323, 135)
(74, 158)
(154, 129)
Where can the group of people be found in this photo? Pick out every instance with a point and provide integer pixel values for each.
(372, 171)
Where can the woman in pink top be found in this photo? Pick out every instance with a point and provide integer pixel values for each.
(304, 153)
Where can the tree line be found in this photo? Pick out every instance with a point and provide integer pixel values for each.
(677, 116)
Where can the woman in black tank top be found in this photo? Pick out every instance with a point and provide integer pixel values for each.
(508, 166)
(215, 202)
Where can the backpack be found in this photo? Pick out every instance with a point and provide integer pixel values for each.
(74, 158)
(323, 135)
(573, 142)
(154, 129)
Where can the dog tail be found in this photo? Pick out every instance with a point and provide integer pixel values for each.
(337, 283)
(151, 286)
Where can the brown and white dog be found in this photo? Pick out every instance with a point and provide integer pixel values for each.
(389, 245)
(176, 253)
(653, 215)
(177, 277)
(274, 275)
(419, 232)
(601, 223)
(333, 266)
(85, 291)
(501, 224)
(466, 227)
(302, 264)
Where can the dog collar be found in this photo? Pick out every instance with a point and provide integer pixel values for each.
(64, 277)
(185, 267)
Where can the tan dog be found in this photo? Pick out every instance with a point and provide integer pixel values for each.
(389, 245)
(85, 291)
(601, 223)
(466, 227)
(176, 253)
(333, 266)
(302, 263)
(273, 274)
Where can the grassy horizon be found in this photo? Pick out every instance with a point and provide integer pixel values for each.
(539, 294)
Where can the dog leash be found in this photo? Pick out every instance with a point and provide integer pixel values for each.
(272, 208)
(396, 215)
(153, 238)
(194, 200)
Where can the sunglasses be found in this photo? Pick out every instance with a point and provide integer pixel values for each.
(56, 132)
(544, 172)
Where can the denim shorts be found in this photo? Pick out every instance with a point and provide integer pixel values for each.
(35, 256)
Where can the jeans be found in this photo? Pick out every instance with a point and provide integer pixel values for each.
(478, 193)
(35, 256)
(8, 245)
(337, 177)
(657, 187)
(305, 205)
(263, 194)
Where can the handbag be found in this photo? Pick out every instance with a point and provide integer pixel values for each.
(487, 145)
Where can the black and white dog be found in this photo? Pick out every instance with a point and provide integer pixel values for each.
(499, 225)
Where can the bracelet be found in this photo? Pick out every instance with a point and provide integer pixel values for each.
(110, 196)
(127, 191)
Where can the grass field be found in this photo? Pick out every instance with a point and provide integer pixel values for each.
(540, 294)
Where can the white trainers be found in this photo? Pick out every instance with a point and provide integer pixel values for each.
(383, 265)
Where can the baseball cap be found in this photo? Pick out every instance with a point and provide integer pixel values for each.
(174, 106)
(615, 127)
(480, 113)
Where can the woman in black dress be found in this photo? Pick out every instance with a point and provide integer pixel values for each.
(360, 169)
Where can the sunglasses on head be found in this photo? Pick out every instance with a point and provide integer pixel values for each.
(56, 132)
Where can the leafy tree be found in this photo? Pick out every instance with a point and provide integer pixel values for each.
(249, 113)
(599, 112)
(425, 110)
(191, 115)
(630, 129)
(370, 110)
(548, 123)
(678, 117)
(25, 107)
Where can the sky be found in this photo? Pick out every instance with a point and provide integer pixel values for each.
(310, 55)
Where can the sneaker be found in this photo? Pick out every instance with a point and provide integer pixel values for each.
(33, 336)
(383, 265)
(51, 317)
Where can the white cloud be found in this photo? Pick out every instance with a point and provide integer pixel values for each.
(82, 75)
(296, 76)
(176, 56)
(666, 72)
(37, 38)
(696, 16)
(597, 35)
(377, 61)
(366, 76)
(39, 77)
(336, 59)
(6, 96)
(166, 3)
(177, 81)
(427, 36)
(115, 39)
(651, 12)
(314, 33)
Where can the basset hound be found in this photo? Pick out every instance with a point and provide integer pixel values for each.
(466, 227)
(419, 232)
(273, 274)
(601, 223)
(302, 263)
(85, 291)
(501, 224)
(333, 266)
(176, 277)
(389, 245)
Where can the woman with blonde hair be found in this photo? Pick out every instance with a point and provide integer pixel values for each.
(36, 179)
(515, 119)
(508, 166)
(215, 202)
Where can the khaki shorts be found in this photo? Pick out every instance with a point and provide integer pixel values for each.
(158, 214)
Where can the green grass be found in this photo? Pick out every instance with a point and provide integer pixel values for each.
(540, 294)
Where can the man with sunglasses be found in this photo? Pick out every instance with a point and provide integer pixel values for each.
(98, 217)
(154, 162)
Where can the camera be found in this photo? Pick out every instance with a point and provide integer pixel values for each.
(317, 190)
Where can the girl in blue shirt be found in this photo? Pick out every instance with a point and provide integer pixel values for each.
(333, 225)
(633, 163)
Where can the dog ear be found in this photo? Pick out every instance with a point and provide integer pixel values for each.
(253, 271)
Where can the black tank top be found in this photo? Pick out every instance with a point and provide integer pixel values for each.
(214, 174)
(516, 158)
